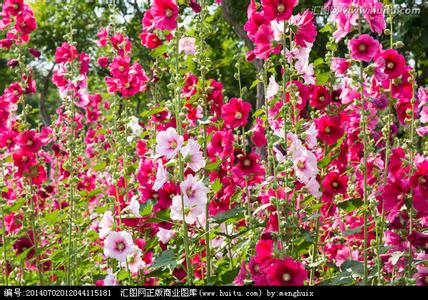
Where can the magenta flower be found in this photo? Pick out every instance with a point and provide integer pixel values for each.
(165, 14)
(364, 48)
(235, 113)
(286, 272)
(279, 10)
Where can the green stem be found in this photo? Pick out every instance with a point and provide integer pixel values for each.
(35, 235)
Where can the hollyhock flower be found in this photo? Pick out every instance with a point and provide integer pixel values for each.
(134, 207)
(105, 225)
(273, 88)
(248, 165)
(29, 141)
(311, 136)
(24, 243)
(194, 191)
(25, 22)
(109, 280)
(119, 245)
(255, 20)
(302, 96)
(329, 129)
(24, 159)
(286, 272)
(313, 187)
(221, 144)
(190, 86)
(13, 7)
(165, 14)
(150, 40)
(393, 194)
(265, 43)
(187, 45)
(161, 177)
(304, 164)
(345, 254)
(165, 235)
(279, 10)
(303, 28)
(135, 262)
(193, 156)
(8, 138)
(320, 97)
(373, 13)
(390, 63)
(334, 183)
(66, 53)
(235, 113)
(119, 68)
(339, 66)
(194, 211)
(168, 143)
(258, 134)
(34, 52)
(363, 48)
(13, 92)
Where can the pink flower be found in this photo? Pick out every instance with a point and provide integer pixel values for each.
(13, 7)
(320, 97)
(304, 164)
(165, 14)
(134, 263)
(345, 254)
(24, 159)
(306, 31)
(119, 245)
(235, 113)
(221, 144)
(390, 63)
(150, 40)
(265, 44)
(193, 212)
(279, 10)
(193, 156)
(168, 143)
(187, 45)
(119, 68)
(364, 48)
(273, 88)
(339, 65)
(25, 22)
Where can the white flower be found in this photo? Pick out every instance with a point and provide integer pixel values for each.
(135, 262)
(187, 45)
(134, 207)
(273, 88)
(135, 126)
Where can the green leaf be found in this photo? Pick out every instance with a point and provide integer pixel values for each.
(158, 51)
(396, 257)
(166, 259)
(146, 208)
(318, 61)
(353, 231)
(213, 166)
(324, 162)
(353, 267)
(323, 78)
(217, 185)
(236, 212)
(100, 167)
(350, 205)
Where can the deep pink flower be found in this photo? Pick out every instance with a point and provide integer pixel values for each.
(393, 194)
(150, 40)
(390, 63)
(334, 183)
(286, 272)
(221, 144)
(304, 28)
(66, 53)
(29, 141)
(165, 14)
(329, 129)
(235, 113)
(279, 10)
(24, 159)
(364, 47)
(119, 68)
(13, 7)
(25, 22)
(265, 43)
(320, 97)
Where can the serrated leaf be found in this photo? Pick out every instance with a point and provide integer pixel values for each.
(166, 259)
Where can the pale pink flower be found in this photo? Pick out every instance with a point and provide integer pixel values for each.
(424, 115)
(194, 191)
(193, 212)
(110, 279)
(135, 263)
(304, 164)
(345, 254)
(313, 187)
(187, 45)
(168, 143)
(134, 207)
(161, 177)
(165, 235)
(311, 136)
(193, 156)
(105, 225)
(272, 89)
(119, 245)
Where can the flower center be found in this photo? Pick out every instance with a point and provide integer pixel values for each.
(421, 179)
(30, 143)
(390, 65)
(362, 47)
(247, 163)
(8, 141)
(15, 6)
(281, 8)
(257, 268)
(121, 68)
(301, 164)
(327, 130)
(426, 279)
(238, 115)
(22, 25)
(168, 13)
(173, 144)
(120, 246)
(334, 184)
(24, 158)
(286, 277)
(322, 98)
(189, 192)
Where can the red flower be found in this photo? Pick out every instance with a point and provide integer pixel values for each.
(165, 14)
(286, 272)
(8, 138)
(221, 144)
(235, 113)
(304, 28)
(334, 184)
(29, 141)
(24, 159)
(329, 129)
(13, 7)
(25, 22)
(320, 97)
(150, 40)
(392, 63)
(394, 194)
(279, 10)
